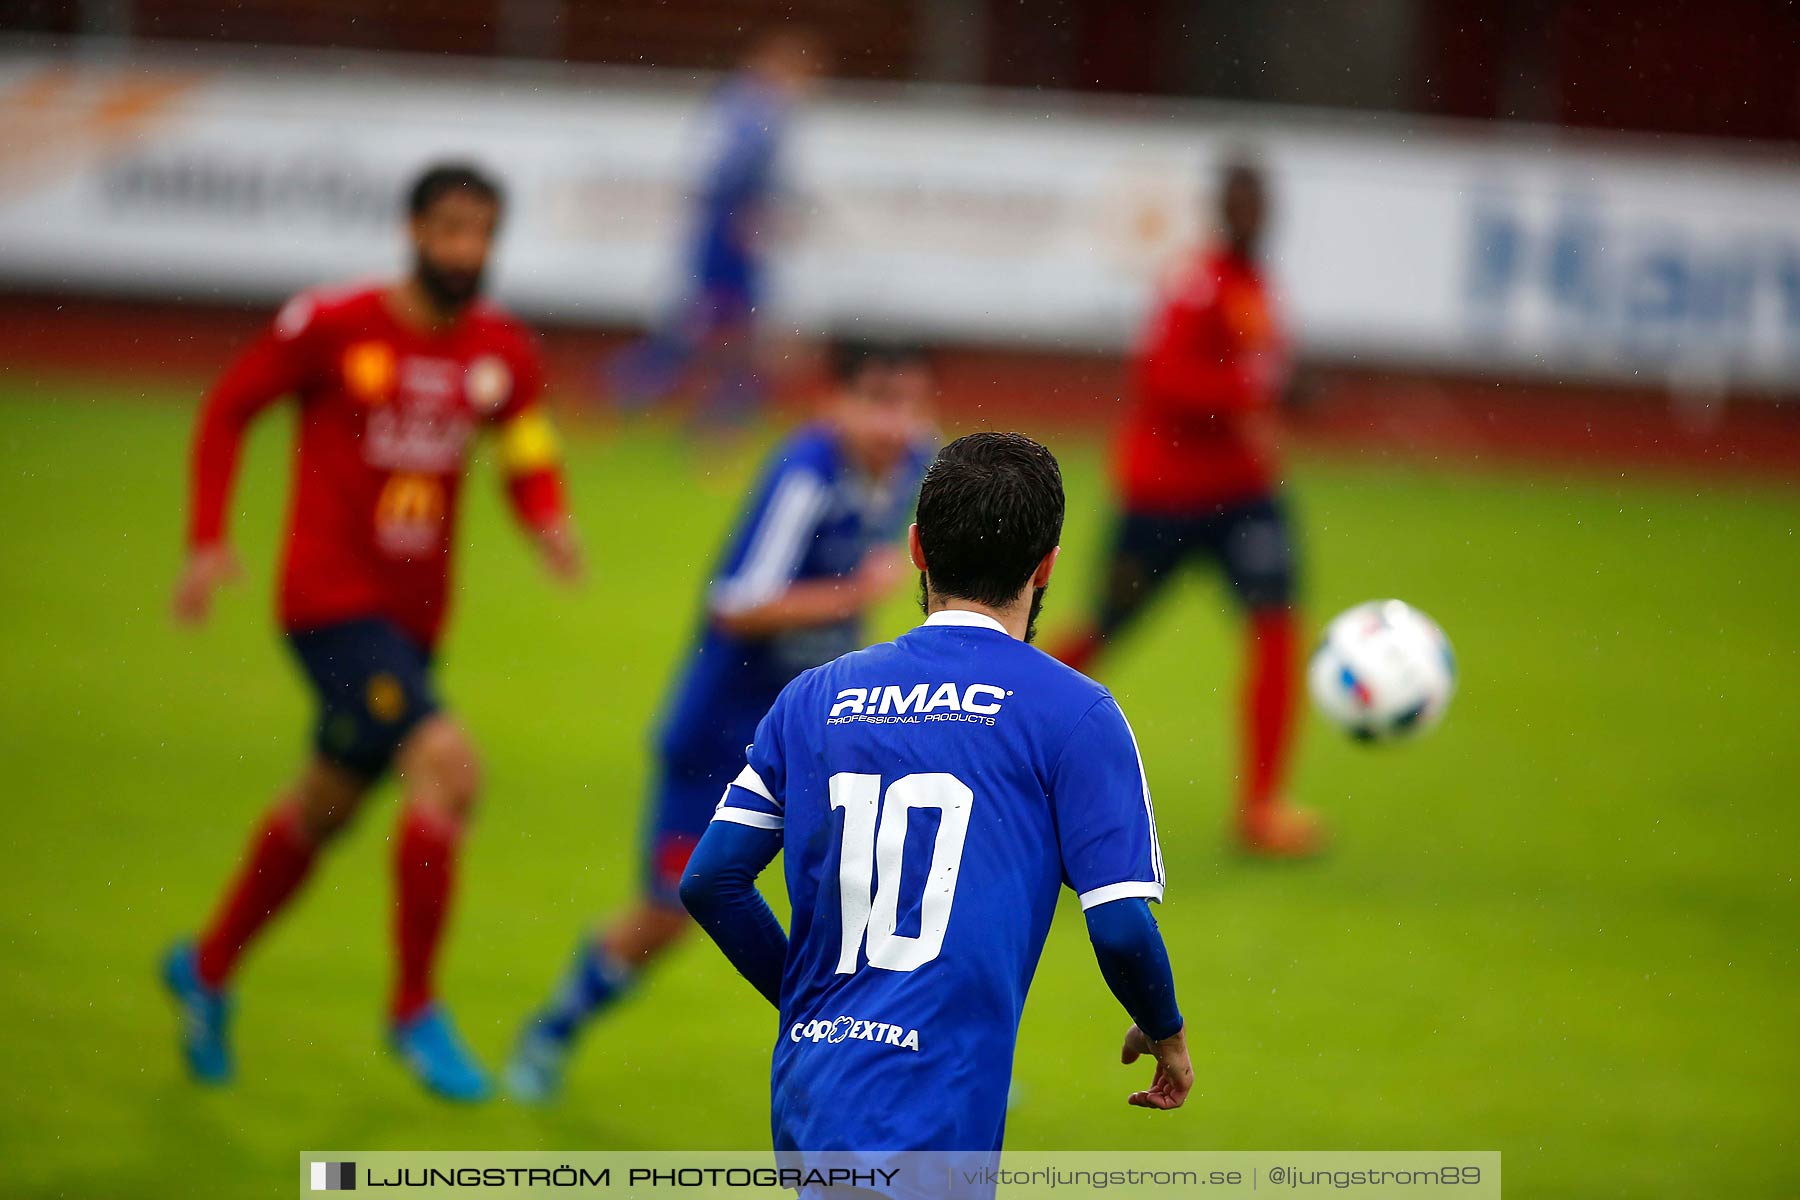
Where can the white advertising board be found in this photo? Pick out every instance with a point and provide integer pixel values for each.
(930, 213)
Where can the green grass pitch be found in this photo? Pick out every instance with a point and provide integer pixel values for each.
(1563, 927)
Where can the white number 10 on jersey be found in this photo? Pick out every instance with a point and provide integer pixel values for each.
(868, 856)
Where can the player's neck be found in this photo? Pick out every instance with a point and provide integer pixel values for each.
(865, 463)
(1015, 618)
(413, 307)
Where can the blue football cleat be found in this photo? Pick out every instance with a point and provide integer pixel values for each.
(429, 1046)
(205, 1015)
(534, 1073)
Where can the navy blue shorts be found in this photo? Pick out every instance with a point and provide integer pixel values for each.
(373, 686)
(1251, 542)
(684, 795)
(711, 719)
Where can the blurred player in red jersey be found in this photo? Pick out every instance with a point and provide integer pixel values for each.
(392, 384)
(1197, 473)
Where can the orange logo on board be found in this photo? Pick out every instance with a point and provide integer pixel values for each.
(61, 119)
(370, 372)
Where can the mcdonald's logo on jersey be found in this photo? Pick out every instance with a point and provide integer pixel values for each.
(409, 516)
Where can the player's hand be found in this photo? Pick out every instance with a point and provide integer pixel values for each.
(1174, 1073)
(207, 569)
(560, 548)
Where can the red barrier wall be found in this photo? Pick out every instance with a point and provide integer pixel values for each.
(1366, 412)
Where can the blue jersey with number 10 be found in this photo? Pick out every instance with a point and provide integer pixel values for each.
(934, 794)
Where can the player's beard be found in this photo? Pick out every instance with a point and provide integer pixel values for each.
(1037, 605)
(449, 291)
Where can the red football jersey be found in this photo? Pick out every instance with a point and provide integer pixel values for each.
(387, 413)
(1208, 375)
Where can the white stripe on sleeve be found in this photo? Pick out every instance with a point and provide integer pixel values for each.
(1156, 858)
(788, 523)
(1148, 889)
(747, 816)
(750, 781)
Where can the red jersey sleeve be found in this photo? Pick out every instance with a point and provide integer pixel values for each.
(279, 363)
(530, 453)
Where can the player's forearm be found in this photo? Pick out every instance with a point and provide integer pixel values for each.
(1135, 964)
(218, 438)
(719, 892)
(531, 457)
(799, 606)
(260, 376)
(539, 498)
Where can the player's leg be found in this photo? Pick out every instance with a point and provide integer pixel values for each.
(650, 370)
(734, 394)
(280, 857)
(284, 846)
(440, 775)
(1255, 545)
(277, 862)
(607, 964)
(655, 367)
(1145, 553)
(609, 960)
(735, 391)
(381, 710)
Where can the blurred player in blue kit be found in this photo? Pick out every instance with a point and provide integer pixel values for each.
(817, 547)
(713, 327)
(932, 795)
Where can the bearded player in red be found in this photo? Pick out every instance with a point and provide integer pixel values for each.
(1197, 471)
(391, 383)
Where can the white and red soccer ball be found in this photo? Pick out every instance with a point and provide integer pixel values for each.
(1383, 671)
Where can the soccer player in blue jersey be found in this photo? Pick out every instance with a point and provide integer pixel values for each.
(733, 227)
(932, 795)
(818, 546)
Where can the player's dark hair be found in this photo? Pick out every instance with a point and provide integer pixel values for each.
(990, 508)
(1240, 169)
(440, 179)
(1241, 163)
(851, 357)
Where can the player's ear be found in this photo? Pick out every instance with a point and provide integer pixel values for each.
(915, 547)
(1041, 577)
